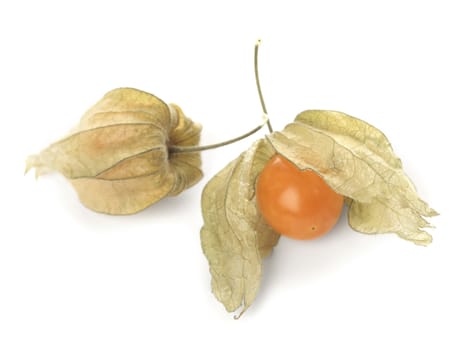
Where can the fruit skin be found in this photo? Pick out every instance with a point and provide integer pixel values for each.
(296, 203)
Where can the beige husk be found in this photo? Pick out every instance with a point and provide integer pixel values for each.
(353, 157)
(357, 161)
(235, 238)
(117, 157)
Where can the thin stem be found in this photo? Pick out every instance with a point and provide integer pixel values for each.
(259, 89)
(191, 149)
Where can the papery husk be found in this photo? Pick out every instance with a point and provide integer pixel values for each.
(357, 160)
(118, 157)
(353, 157)
(235, 238)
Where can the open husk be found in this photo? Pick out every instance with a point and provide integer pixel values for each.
(353, 157)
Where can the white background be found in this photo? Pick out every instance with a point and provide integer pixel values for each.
(74, 279)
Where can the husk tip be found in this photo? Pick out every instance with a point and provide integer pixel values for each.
(33, 162)
(238, 316)
(423, 239)
(30, 163)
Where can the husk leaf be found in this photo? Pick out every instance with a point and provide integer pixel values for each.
(234, 237)
(357, 161)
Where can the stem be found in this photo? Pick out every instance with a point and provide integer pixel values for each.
(257, 80)
(191, 149)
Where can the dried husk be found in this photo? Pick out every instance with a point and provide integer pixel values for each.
(118, 159)
(235, 237)
(357, 161)
(352, 156)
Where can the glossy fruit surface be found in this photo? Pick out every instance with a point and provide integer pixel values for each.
(296, 203)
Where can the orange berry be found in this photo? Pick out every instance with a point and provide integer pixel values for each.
(296, 203)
